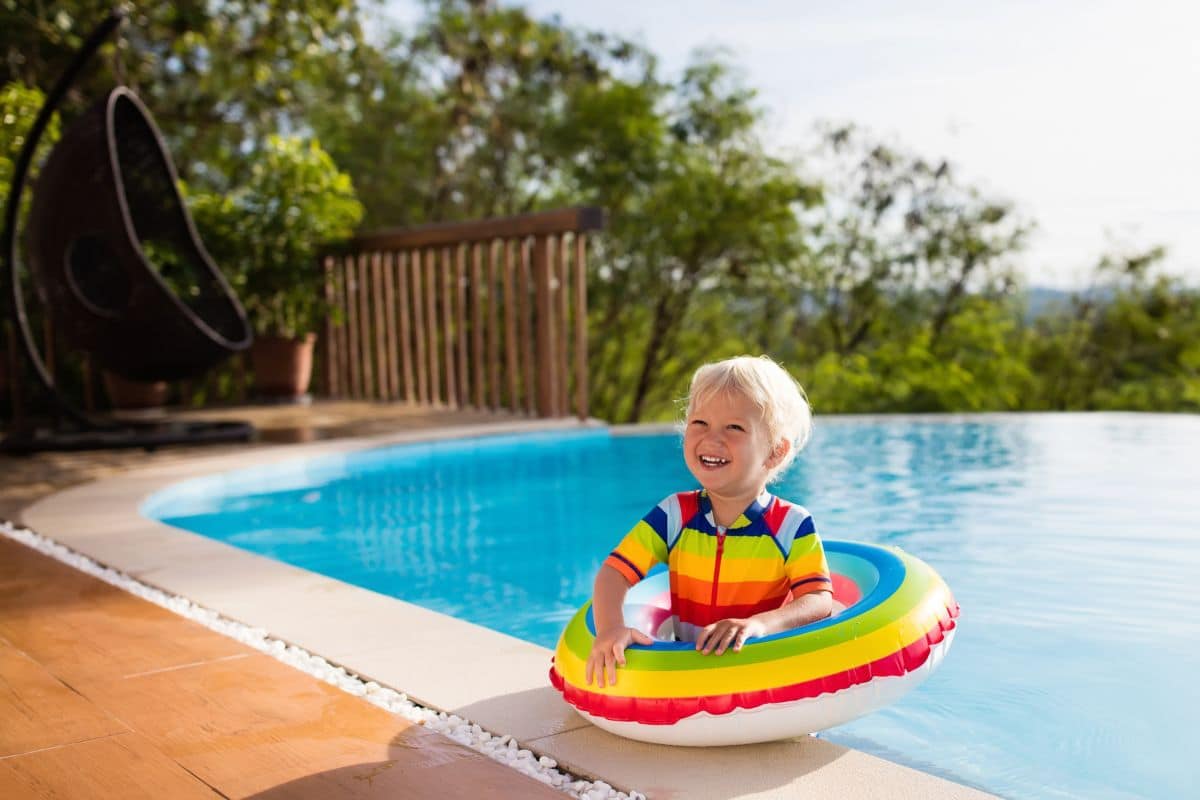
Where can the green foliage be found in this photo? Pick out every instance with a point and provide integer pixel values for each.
(1137, 349)
(877, 276)
(716, 215)
(897, 234)
(266, 234)
(976, 366)
(480, 112)
(19, 106)
(220, 76)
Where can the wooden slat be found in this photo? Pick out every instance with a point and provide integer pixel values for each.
(547, 361)
(511, 313)
(346, 368)
(477, 354)
(529, 382)
(431, 324)
(337, 328)
(391, 326)
(493, 329)
(328, 344)
(350, 297)
(406, 355)
(564, 330)
(382, 371)
(460, 292)
(452, 233)
(418, 301)
(446, 286)
(581, 327)
(364, 317)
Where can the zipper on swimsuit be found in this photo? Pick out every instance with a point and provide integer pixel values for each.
(717, 566)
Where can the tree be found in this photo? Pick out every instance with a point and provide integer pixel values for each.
(716, 212)
(490, 112)
(899, 232)
(468, 117)
(1131, 342)
(220, 77)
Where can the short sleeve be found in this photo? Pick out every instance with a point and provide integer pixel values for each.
(644, 546)
(806, 567)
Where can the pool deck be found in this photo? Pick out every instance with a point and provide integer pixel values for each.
(92, 676)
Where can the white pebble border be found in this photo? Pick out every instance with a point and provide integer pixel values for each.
(504, 749)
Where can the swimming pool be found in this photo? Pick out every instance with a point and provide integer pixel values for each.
(1070, 541)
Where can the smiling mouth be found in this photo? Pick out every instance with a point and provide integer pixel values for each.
(712, 461)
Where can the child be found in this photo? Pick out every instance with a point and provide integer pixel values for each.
(742, 562)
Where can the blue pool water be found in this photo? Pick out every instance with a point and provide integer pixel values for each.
(1072, 542)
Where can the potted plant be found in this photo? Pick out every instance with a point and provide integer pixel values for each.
(266, 235)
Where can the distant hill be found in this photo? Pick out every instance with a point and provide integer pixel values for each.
(1044, 300)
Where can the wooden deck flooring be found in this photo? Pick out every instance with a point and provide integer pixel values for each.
(103, 694)
(106, 695)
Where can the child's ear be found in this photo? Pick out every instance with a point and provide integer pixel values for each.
(777, 454)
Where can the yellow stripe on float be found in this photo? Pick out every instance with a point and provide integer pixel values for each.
(751, 677)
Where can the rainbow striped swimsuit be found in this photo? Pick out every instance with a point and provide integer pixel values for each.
(771, 554)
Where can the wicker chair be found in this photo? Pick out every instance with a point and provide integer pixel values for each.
(105, 209)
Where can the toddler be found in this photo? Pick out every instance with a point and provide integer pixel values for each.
(742, 562)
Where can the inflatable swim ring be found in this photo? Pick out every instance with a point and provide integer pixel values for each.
(897, 626)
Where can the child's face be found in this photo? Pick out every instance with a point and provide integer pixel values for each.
(726, 447)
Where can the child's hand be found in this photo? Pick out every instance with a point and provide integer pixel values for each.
(721, 635)
(608, 651)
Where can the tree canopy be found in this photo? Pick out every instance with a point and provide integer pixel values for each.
(878, 277)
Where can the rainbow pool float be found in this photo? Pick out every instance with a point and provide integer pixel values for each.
(898, 624)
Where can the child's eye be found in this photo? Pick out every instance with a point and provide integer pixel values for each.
(699, 422)
(736, 427)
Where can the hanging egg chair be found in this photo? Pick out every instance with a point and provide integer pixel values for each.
(116, 261)
(116, 257)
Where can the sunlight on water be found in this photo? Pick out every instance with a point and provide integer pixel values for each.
(1071, 541)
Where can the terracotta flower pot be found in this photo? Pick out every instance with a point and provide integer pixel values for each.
(126, 394)
(282, 366)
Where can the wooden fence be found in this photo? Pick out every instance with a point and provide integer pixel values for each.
(487, 314)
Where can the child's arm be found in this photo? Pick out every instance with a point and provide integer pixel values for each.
(612, 635)
(804, 609)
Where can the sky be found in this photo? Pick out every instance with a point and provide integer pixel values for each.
(1085, 115)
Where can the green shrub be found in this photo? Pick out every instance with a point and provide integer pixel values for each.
(266, 235)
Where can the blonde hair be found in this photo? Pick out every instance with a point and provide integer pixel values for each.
(784, 407)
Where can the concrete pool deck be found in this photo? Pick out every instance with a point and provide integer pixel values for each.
(494, 680)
